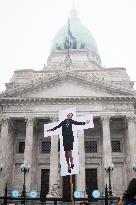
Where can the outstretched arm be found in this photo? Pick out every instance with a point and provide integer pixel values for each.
(80, 123)
(58, 126)
(77, 123)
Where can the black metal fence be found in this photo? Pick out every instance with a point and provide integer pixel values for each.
(25, 200)
(54, 201)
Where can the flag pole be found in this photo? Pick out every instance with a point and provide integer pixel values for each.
(68, 36)
(68, 60)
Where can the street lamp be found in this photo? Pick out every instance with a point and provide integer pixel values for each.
(109, 168)
(24, 168)
(1, 166)
(134, 166)
(5, 196)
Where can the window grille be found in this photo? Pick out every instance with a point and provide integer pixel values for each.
(115, 144)
(46, 146)
(90, 146)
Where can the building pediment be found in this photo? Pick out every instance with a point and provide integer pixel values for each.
(68, 84)
(66, 89)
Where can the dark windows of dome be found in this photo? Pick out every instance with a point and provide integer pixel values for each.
(91, 146)
(115, 144)
(21, 147)
(82, 46)
(74, 44)
(58, 47)
(66, 43)
(70, 43)
(46, 147)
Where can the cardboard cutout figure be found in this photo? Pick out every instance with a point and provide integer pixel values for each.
(68, 138)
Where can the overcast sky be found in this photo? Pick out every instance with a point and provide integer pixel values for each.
(27, 28)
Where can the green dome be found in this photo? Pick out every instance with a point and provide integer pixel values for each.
(84, 39)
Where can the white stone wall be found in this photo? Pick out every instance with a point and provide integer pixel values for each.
(93, 160)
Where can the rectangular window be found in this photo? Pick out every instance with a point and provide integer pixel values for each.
(90, 146)
(21, 147)
(91, 182)
(44, 182)
(46, 146)
(115, 144)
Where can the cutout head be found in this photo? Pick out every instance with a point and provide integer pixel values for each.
(70, 115)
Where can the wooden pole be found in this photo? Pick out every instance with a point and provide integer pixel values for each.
(71, 189)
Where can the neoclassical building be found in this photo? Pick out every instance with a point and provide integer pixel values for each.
(33, 98)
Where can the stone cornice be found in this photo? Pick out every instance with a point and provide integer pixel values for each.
(58, 77)
(23, 105)
(70, 99)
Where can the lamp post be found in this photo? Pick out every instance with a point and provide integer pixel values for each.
(109, 168)
(134, 166)
(5, 195)
(1, 166)
(24, 168)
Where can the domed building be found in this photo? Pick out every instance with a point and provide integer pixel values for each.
(82, 45)
(73, 77)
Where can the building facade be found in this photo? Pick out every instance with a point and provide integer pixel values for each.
(73, 78)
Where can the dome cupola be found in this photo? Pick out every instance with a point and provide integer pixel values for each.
(81, 43)
(82, 36)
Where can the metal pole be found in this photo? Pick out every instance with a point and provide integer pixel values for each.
(24, 186)
(110, 188)
(106, 195)
(68, 35)
(55, 202)
(5, 196)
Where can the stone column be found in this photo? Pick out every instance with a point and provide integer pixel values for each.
(131, 148)
(106, 143)
(4, 152)
(107, 150)
(81, 175)
(53, 161)
(28, 153)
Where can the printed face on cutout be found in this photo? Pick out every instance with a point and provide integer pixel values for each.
(70, 115)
